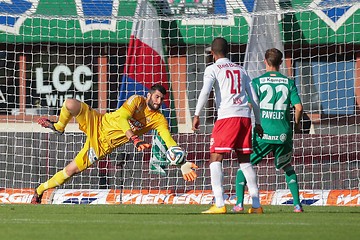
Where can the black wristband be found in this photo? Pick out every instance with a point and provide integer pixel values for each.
(134, 138)
(139, 143)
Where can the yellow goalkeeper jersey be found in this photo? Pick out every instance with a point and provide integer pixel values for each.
(105, 132)
(135, 115)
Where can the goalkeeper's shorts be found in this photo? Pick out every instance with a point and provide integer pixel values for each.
(95, 148)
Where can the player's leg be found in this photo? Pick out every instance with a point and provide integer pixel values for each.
(219, 145)
(70, 108)
(216, 175)
(260, 150)
(283, 156)
(89, 122)
(251, 178)
(243, 147)
(58, 179)
(240, 184)
(292, 182)
(85, 158)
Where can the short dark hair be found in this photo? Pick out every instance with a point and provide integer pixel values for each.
(273, 57)
(158, 87)
(220, 46)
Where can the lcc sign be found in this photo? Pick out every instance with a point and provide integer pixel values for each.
(62, 81)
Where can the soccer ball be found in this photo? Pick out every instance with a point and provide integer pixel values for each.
(175, 156)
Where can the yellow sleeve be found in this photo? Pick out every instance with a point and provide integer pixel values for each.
(164, 133)
(123, 120)
(126, 111)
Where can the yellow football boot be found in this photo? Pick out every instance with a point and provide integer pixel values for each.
(256, 210)
(215, 210)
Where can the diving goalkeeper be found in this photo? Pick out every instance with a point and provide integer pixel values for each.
(105, 132)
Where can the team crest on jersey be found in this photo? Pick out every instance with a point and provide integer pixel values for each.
(283, 137)
(135, 124)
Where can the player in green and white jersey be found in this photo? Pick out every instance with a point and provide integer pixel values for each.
(277, 94)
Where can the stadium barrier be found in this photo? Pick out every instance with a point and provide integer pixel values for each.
(126, 196)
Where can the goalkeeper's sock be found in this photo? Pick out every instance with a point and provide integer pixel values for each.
(250, 176)
(216, 174)
(64, 118)
(58, 179)
(293, 185)
(240, 187)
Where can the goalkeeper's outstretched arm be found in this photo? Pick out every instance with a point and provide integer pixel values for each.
(186, 168)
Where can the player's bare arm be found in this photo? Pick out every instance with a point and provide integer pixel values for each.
(298, 116)
(196, 123)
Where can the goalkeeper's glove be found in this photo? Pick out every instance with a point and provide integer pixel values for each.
(139, 144)
(187, 172)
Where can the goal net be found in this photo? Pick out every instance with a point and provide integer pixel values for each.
(101, 52)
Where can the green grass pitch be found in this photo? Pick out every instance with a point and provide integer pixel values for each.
(173, 222)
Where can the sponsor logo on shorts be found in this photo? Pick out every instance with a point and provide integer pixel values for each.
(282, 137)
(212, 141)
(269, 137)
(92, 156)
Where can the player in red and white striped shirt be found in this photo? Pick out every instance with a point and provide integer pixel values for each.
(232, 130)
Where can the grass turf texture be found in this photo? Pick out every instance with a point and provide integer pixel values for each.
(174, 222)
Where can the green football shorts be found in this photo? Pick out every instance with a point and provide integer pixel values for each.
(282, 152)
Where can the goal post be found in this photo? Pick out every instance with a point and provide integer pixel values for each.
(51, 50)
